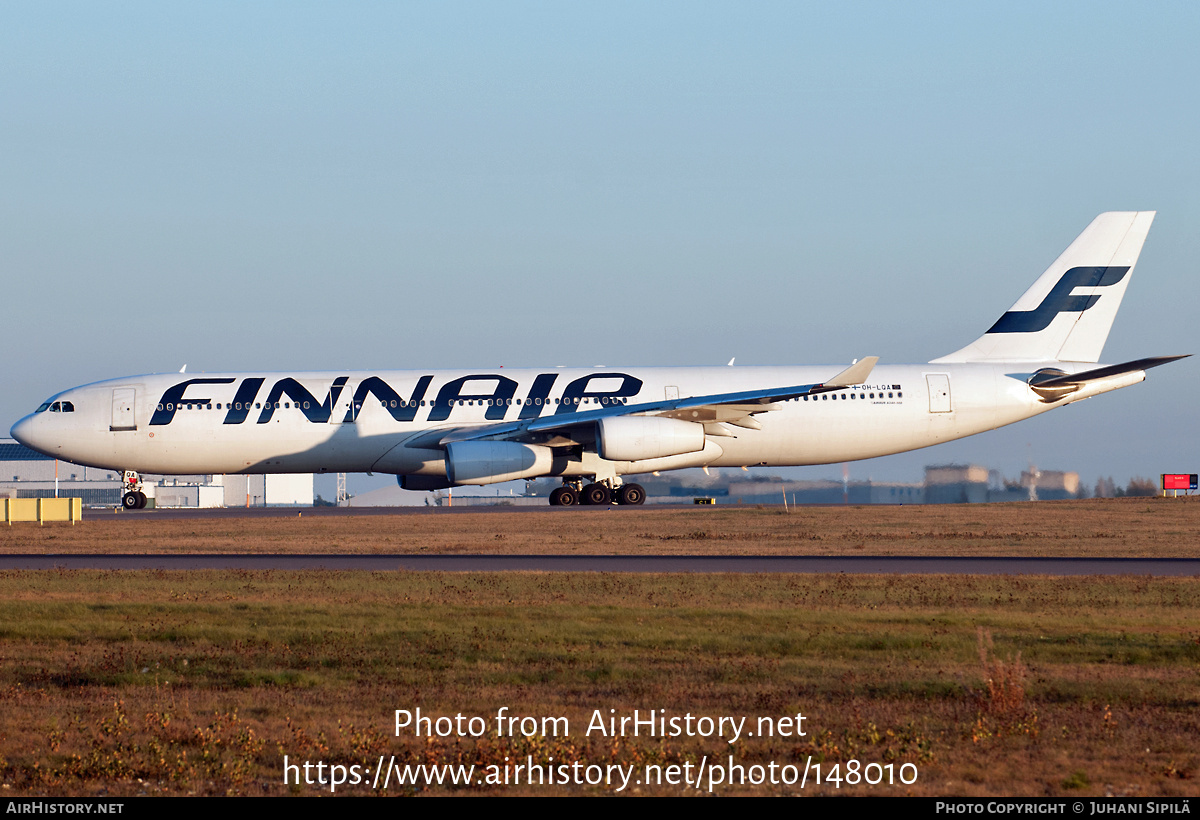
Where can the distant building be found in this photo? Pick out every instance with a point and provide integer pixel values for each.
(956, 484)
(1052, 485)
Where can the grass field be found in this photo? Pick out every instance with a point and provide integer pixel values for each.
(1132, 527)
(200, 682)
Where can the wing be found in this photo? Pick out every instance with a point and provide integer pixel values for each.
(714, 411)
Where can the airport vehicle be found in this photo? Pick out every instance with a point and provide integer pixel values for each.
(592, 426)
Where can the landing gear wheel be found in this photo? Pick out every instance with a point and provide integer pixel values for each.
(563, 497)
(632, 494)
(141, 504)
(596, 494)
(130, 501)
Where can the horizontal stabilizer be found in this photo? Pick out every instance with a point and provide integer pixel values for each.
(1053, 384)
(1107, 372)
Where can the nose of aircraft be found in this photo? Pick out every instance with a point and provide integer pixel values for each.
(25, 431)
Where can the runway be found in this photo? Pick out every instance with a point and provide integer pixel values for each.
(851, 565)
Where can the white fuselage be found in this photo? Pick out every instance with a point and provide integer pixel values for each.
(386, 421)
(438, 429)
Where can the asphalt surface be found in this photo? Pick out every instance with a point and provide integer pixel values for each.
(858, 564)
(175, 513)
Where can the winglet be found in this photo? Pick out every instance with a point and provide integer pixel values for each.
(856, 373)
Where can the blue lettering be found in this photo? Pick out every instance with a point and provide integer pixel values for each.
(578, 390)
(400, 409)
(317, 413)
(239, 408)
(170, 400)
(452, 392)
(537, 395)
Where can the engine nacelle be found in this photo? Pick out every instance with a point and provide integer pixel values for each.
(634, 438)
(489, 462)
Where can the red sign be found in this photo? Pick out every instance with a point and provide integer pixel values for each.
(1179, 481)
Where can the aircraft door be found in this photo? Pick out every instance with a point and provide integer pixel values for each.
(345, 411)
(123, 402)
(939, 392)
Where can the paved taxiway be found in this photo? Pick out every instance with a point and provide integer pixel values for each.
(857, 564)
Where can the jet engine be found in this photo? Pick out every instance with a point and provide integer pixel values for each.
(634, 438)
(489, 462)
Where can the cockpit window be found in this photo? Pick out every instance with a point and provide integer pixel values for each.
(45, 406)
(68, 407)
(56, 407)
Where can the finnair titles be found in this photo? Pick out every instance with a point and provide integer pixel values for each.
(593, 426)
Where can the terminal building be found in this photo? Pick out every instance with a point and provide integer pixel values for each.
(25, 473)
(28, 474)
(943, 484)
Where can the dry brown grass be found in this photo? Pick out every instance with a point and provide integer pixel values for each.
(199, 682)
(1095, 528)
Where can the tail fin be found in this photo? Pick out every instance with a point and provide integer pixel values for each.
(1068, 312)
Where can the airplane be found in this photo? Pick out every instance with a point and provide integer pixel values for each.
(592, 426)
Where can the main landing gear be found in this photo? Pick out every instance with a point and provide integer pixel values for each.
(597, 494)
(132, 497)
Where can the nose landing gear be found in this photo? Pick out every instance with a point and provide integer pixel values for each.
(132, 497)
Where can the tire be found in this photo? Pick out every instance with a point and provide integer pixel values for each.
(596, 495)
(632, 494)
(141, 504)
(129, 501)
(567, 497)
(556, 497)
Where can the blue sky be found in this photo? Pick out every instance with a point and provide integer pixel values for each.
(324, 186)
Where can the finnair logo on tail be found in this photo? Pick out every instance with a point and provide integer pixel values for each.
(1060, 300)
